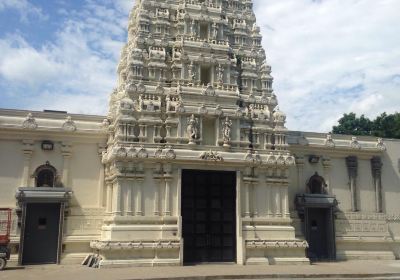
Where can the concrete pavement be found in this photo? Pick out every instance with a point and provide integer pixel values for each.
(337, 270)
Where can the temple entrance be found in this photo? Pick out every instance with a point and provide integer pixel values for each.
(319, 228)
(208, 216)
(41, 234)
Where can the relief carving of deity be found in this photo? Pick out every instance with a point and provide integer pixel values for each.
(192, 129)
(226, 131)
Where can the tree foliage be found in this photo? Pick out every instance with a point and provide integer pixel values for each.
(385, 126)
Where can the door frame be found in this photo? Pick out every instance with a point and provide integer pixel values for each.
(305, 202)
(27, 196)
(238, 243)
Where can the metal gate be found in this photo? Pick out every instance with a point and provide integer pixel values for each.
(209, 216)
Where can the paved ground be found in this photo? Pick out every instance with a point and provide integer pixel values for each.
(339, 270)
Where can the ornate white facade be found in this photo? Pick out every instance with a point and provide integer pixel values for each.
(195, 93)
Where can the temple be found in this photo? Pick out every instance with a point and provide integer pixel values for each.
(193, 163)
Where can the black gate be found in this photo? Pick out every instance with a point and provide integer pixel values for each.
(318, 228)
(317, 213)
(209, 216)
(41, 234)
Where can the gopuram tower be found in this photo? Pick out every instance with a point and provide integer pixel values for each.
(197, 162)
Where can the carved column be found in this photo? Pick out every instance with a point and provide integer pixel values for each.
(277, 196)
(167, 201)
(66, 153)
(376, 165)
(116, 203)
(352, 167)
(109, 197)
(139, 197)
(27, 149)
(300, 172)
(247, 199)
(129, 206)
(284, 201)
(102, 202)
(254, 202)
(326, 163)
(157, 192)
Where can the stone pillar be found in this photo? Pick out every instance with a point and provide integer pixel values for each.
(66, 153)
(109, 197)
(102, 202)
(277, 194)
(139, 197)
(255, 206)
(157, 193)
(326, 163)
(27, 149)
(247, 199)
(129, 206)
(284, 201)
(376, 165)
(352, 167)
(269, 201)
(300, 171)
(167, 198)
(116, 203)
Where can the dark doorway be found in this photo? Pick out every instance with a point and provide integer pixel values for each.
(41, 234)
(209, 216)
(320, 234)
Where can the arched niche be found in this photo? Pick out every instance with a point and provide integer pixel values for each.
(45, 176)
(316, 185)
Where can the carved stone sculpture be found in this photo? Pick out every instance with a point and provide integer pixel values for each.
(192, 130)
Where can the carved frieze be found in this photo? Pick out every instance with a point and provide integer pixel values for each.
(29, 122)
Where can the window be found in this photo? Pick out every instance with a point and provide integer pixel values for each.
(205, 75)
(45, 176)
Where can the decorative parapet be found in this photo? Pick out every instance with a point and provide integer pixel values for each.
(139, 245)
(266, 244)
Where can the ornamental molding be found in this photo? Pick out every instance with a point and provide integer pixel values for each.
(329, 142)
(354, 144)
(211, 156)
(69, 124)
(380, 145)
(167, 153)
(264, 244)
(29, 122)
(109, 245)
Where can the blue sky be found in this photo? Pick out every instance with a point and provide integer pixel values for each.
(328, 57)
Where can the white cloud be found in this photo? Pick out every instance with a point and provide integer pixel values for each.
(24, 8)
(332, 57)
(328, 58)
(76, 72)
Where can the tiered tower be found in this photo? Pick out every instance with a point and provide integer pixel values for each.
(194, 92)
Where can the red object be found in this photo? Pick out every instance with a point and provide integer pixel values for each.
(5, 225)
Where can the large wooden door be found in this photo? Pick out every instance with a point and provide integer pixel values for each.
(41, 233)
(208, 216)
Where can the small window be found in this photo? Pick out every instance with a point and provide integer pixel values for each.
(316, 185)
(205, 75)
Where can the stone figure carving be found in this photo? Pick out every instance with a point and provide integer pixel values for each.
(329, 141)
(192, 129)
(226, 131)
(380, 144)
(192, 73)
(193, 28)
(69, 124)
(220, 74)
(212, 156)
(354, 144)
(30, 122)
(215, 31)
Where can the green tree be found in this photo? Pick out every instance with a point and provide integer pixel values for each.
(385, 126)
